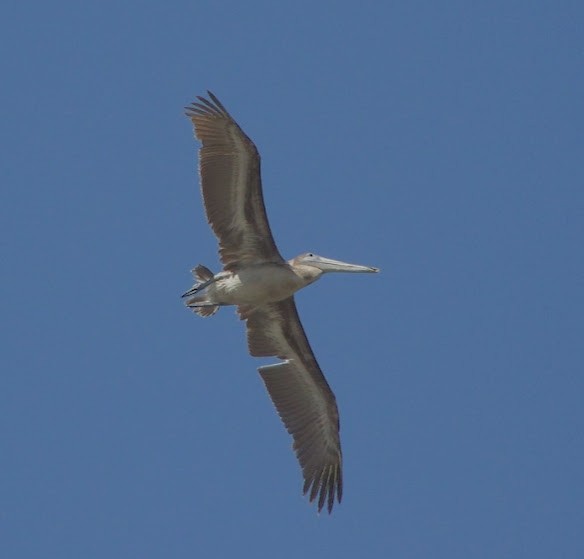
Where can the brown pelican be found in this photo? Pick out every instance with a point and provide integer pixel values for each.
(262, 284)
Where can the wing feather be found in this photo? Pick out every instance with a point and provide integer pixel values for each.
(301, 395)
(231, 186)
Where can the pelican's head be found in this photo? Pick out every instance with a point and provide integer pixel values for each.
(323, 265)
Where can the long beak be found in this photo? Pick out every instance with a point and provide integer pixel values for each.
(329, 265)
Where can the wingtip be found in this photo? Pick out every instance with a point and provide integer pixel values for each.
(324, 492)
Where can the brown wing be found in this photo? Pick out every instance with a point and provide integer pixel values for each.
(301, 395)
(232, 187)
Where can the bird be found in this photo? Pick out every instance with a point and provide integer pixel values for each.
(261, 284)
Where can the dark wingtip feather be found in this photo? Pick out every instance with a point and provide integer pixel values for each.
(325, 486)
(205, 106)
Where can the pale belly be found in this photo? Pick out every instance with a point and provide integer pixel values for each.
(261, 284)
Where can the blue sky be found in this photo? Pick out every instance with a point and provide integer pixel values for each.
(441, 142)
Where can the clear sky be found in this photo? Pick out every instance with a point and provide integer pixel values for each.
(440, 141)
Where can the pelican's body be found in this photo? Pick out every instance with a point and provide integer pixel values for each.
(257, 280)
(259, 284)
(253, 285)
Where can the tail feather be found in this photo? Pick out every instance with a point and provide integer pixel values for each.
(208, 310)
(202, 273)
(198, 303)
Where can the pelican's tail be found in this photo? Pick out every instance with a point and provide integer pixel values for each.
(197, 298)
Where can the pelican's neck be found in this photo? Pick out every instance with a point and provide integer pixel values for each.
(308, 274)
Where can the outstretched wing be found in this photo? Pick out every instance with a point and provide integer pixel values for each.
(232, 187)
(301, 394)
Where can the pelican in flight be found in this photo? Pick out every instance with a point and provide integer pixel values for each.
(262, 284)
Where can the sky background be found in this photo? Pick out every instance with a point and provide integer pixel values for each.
(440, 141)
